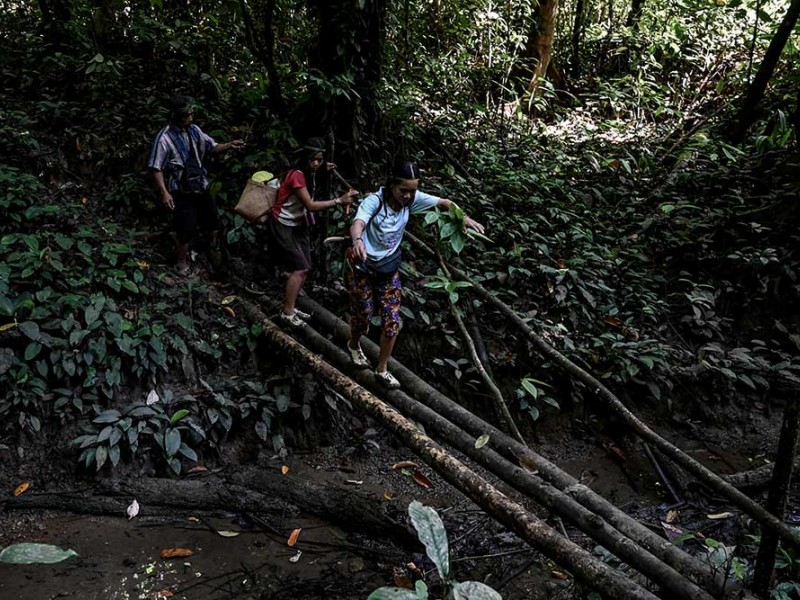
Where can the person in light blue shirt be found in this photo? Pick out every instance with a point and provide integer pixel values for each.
(375, 257)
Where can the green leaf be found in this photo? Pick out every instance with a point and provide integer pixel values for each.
(175, 465)
(393, 593)
(179, 414)
(479, 235)
(7, 359)
(28, 553)
(421, 589)
(30, 329)
(188, 452)
(101, 456)
(482, 441)
(474, 590)
(63, 241)
(262, 430)
(447, 230)
(433, 535)
(141, 411)
(105, 433)
(283, 398)
(528, 386)
(32, 350)
(457, 242)
(172, 442)
(114, 455)
(114, 437)
(91, 313)
(107, 416)
(6, 306)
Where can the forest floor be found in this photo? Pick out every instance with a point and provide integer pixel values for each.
(119, 558)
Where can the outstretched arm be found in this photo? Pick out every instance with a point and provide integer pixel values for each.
(468, 221)
(224, 147)
(314, 205)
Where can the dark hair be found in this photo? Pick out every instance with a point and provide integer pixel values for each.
(179, 106)
(314, 144)
(403, 170)
(316, 182)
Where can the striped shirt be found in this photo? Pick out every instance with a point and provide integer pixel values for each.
(170, 152)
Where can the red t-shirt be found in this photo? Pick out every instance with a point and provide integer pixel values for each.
(288, 208)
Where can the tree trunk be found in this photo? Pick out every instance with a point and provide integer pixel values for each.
(778, 493)
(275, 91)
(577, 29)
(55, 16)
(350, 46)
(523, 479)
(748, 114)
(445, 410)
(540, 40)
(103, 17)
(755, 478)
(264, 50)
(635, 15)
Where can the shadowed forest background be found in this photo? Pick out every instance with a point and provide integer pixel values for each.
(635, 163)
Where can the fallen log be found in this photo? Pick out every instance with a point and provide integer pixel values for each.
(705, 475)
(153, 495)
(249, 490)
(672, 582)
(582, 564)
(755, 478)
(523, 455)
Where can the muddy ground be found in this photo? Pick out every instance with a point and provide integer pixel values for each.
(119, 558)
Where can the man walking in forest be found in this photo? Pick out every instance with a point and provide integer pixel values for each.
(181, 179)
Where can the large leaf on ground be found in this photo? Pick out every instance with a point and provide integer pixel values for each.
(28, 553)
(473, 590)
(433, 535)
(393, 593)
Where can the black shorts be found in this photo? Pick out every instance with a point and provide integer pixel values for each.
(290, 246)
(192, 210)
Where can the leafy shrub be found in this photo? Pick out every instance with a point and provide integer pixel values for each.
(432, 533)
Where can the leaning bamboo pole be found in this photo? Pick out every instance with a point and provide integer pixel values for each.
(583, 565)
(521, 454)
(708, 477)
(557, 502)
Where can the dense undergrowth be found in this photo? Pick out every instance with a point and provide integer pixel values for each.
(636, 241)
(622, 225)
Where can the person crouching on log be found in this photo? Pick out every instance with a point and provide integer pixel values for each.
(374, 261)
(288, 227)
